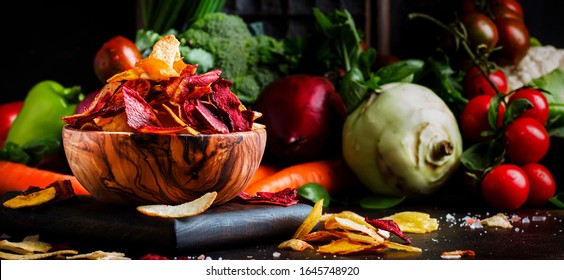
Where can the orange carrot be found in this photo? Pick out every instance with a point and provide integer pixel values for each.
(19, 177)
(333, 174)
(263, 171)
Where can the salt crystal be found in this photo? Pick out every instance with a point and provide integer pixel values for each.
(516, 229)
(476, 224)
(525, 220)
(539, 218)
(276, 255)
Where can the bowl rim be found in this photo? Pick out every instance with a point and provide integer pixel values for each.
(70, 128)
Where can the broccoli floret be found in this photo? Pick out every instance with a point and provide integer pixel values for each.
(245, 59)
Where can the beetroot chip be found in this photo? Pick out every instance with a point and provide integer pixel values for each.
(192, 86)
(228, 106)
(139, 112)
(285, 197)
(389, 225)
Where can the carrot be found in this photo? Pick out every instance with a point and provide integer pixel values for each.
(333, 174)
(19, 177)
(263, 171)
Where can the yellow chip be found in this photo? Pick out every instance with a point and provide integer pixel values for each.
(99, 255)
(167, 50)
(361, 238)
(414, 222)
(25, 246)
(402, 247)
(342, 246)
(187, 209)
(310, 221)
(32, 199)
(295, 244)
(38, 256)
(346, 224)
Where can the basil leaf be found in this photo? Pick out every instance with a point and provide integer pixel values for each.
(314, 192)
(398, 71)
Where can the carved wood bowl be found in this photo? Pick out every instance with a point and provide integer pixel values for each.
(134, 169)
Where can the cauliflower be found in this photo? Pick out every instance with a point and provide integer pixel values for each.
(538, 62)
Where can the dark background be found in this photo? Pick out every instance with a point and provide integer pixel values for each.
(52, 40)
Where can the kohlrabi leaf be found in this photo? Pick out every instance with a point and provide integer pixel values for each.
(553, 86)
(380, 202)
(557, 200)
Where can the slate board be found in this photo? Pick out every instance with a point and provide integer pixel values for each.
(85, 218)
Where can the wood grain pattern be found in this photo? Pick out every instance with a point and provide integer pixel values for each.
(134, 169)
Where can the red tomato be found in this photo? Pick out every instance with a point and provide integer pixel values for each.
(480, 30)
(537, 98)
(475, 83)
(8, 113)
(506, 187)
(526, 140)
(541, 182)
(116, 55)
(474, 118)
(513, 40)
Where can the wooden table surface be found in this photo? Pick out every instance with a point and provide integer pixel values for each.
(538, 235)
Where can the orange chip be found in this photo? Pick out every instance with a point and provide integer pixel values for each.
(343, 246)
(320, 236)
(295, 244)
(457, 254)
(156, 70)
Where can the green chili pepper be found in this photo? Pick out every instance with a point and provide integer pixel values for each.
(40, 117)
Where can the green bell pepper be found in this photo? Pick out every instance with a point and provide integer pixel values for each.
(36, 133)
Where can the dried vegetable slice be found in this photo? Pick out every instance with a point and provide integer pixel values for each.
(140, 99)
(188, 209)
(414, 222)
(345, 233)
(285, 197)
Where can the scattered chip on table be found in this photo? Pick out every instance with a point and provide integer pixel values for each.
(498, 220)
(191, 208)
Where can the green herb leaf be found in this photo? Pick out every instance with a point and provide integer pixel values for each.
(398, 71)
(493, 110)
(314, 192)
(557, 200)
(515, 109)
(380, 202)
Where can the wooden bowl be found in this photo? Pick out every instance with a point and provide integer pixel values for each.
(134, 169)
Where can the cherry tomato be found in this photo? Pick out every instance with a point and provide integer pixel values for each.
(474, 118)
(506, 187)
(475, 83)
(501, 11)
(537, 98)
(8, 113)
(480, 30)
(116, 55)
(512, 5)
(541, 182)
(526, 140)
(513, 40)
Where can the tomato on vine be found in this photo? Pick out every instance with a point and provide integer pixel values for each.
(475, 83)
(474, 118)
(505, 187)
(542, 185)
(480, 30)
(539, 110)
(526, 140)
